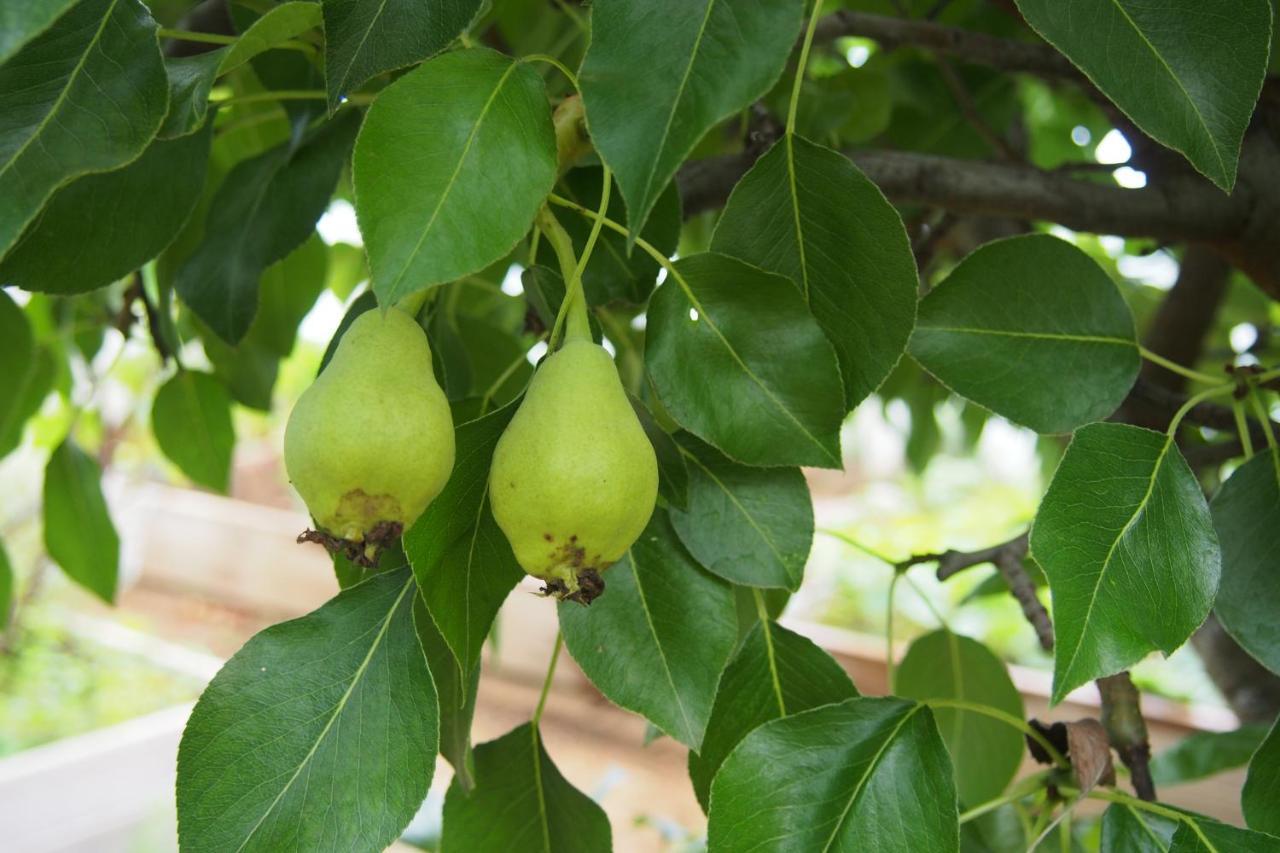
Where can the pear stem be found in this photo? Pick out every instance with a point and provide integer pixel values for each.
(573, 310)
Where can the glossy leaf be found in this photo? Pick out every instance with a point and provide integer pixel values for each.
(364, 38)
(1033, 329)
(457, 692)
(737, 359)
(99, 228)
(864, 774)
(92, 91)
(23, 20)
(463, 563)
(806, 212)
(1246, 513)
(1203, 754)
(320, 733)
(750, 526)
(521, 802)
(702, 61)
(454, 160)
(78, 532)
(266, 207)
(773, 674)
(656, 641)
(1186, 73)
(191, 419)
(1126, 829)
(986, 753)
(1261, 795)
(1125, 538)
(1205, 835)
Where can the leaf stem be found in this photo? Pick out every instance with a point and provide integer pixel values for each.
(551, 60)
(1192, 403)
(801, 65)
(546, 683)
(890, 665)
(1109, 796)
(199, 38)
(1027, 786)
(1242, 427)
(1174, 367)
(571, 320)
(1007, 719)
(1261, 411)
(506, 374)
(288, 95)
(850, 541)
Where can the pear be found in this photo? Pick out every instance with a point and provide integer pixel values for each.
(370, 444)
(574, 477)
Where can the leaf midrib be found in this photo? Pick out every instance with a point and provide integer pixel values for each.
(1046, 336)
(657, 642)
(346, 74)
(870, 771)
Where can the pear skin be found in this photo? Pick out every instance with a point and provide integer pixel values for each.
(370, 444)
(574, 478)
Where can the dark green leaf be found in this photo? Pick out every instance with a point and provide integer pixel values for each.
(78, 532)
(1125, 829)
(673, 474)
(249, 370)
(986, 753)
(748, 609)
(320, 733)
(191, 419)
(1261, 795)
(656, 641)
(463, 563)
(457, 692)
(864, 774)
(92, 92)
(23, 20)
(806, 212)
(1185, 72)
(521, 802)
(278, 25)
(490, 160)
(1033, 329)
(190, 81)
(1125, 538)
(702, 61)
(774, 673)
(1204, 754)
(499, 370)
(266, 207)
(1205, 835)
(38, 381)
(738, 360)
(286, 292)
(1246, 513)
(101, 227)
(998, 831)
(17, 354)
(751, 526)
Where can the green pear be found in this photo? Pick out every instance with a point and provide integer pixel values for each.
(370, 443)
(574, 477)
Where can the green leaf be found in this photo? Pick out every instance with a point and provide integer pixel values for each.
(1125, 538)
(1033, 329)
(346, 269)
(35, 383)
(463, 563)
(191, 419)
(288, 290)
(457, 692)
(1126, 829)
(766, 389)
(986, 753)
(101, 227)
(864, 774)
(92, 91)
(702, 61)
(6, 587)
(1204, 754)
(521, 802)
(320, 733)
(364, 38)
(190, 81)
(78, 532)
(266, 207)
(17, 354)
(748, 610)
(656, 641)
(23, 20)
(673, 474)
(1261, 795)
(435, 214)
(362, 303)
(1185, 72)
(806, 212)
(1205, 835)
(774, 673)
(750, 526)
(1246, 513)
(278, 25)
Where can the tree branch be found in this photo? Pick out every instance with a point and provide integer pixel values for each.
(1127, 730)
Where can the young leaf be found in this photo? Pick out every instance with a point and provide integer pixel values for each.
(23, 20)
(1246, 513)
(864, 774)
(78, 532)
(1186, 74)
(190, 81)
(773, 674)
(1125, 538)
(750, 526)
(319, 733)
(702, 61)
(101, 227)
(986, 753)
(191, 419)
(521, 802)
(92, 91)
(1126, 829)
(1033, 329)
(364, 38)
(266, 207)
(737, 359)
(1261, 795)
(435, 214)
(1204, 754)
(457, 692)
(806, 212)
(657, 639)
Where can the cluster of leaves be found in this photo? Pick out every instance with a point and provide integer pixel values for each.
(131, 177)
